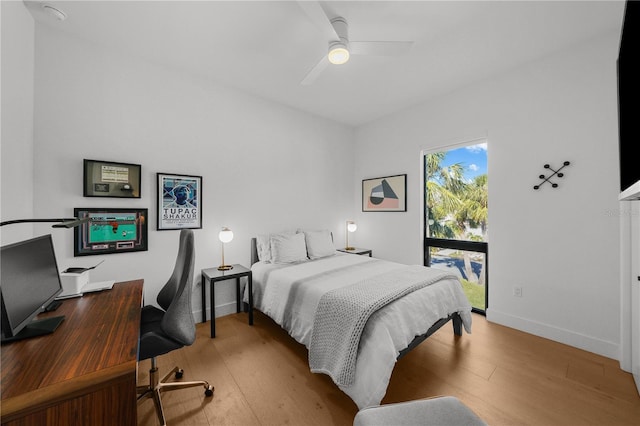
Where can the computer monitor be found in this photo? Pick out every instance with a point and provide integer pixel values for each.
(29, 281)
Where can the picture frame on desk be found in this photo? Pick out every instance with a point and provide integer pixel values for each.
(111, 179)
(179, 201)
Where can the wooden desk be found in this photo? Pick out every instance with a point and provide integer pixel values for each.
(84, 373)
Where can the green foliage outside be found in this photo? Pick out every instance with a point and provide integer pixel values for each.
(475, 293)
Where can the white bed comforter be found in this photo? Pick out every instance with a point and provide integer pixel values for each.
(290, 293)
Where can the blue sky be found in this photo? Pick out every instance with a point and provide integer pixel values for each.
(473, 158)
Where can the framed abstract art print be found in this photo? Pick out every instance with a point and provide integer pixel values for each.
(385, 194)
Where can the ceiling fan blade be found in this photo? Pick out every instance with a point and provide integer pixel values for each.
(380, 48)
(319, 17)
(315, 71)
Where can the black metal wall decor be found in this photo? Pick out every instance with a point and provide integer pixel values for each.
(555, 173)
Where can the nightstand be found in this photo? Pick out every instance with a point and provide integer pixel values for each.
(356, 250)
(214, 275)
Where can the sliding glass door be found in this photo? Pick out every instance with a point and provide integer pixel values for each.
(456, 213)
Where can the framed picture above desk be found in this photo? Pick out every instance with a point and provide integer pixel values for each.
(109, 179)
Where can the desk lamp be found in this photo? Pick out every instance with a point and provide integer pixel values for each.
(351, 227)
(59, 222)
(225, 235)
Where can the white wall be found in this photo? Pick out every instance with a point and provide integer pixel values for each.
(560, 245)
(265, 167)
(16, 140)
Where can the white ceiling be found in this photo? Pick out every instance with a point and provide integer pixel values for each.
(267, 47)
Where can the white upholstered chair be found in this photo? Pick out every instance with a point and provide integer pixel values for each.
(438, 411)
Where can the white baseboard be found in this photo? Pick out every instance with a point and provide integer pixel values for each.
(567, 337)
(221, 310)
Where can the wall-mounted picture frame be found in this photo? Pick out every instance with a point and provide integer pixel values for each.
(110, 179)
(385, 194)
(179, 201)
(110, 230)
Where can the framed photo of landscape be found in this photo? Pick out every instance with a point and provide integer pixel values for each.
(179, 201)
(385, 194)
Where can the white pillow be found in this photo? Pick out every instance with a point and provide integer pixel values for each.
(288, 248)
(263, 245)
(319, 244)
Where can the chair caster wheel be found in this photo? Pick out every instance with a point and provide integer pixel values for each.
(209, 391)
(179, 373)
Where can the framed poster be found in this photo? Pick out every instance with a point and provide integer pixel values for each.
(179, 201)
(385, 194)
(110, 230)
(108, 179)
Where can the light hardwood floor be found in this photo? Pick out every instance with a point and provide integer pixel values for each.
(507, 377)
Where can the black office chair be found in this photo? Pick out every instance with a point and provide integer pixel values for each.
(172, 327)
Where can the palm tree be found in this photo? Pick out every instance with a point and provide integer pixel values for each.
(455, 206)
(443, 186)
(473, 214)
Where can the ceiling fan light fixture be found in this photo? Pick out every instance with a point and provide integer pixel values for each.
(338, 53)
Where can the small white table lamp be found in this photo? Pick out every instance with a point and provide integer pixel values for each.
(351, 227)
(225, 235)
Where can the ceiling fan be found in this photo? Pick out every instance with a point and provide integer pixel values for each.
(341, 48)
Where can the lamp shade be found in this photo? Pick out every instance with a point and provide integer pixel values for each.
(225, 235)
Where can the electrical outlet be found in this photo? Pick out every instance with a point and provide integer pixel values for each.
(517, 291)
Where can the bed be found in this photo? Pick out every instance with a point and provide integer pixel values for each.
(303, 286)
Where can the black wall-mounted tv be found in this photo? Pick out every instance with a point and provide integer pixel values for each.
(629, 96)
(110, 231)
